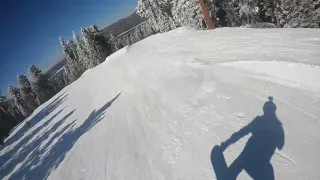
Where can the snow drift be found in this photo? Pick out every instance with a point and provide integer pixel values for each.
(154, 110)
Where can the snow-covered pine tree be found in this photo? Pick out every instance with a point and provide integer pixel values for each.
(145, 10)
(158, 13)
(86, 35)
(8, 109)
(166, 20)
(98, 45)
(299, 13)
(101, 45)
(73, 64)
(188, 13)
(27, 93)
(232, 9)
(246, 12)
(2, 103)
(266, 10)
(40, 85)
(15, 94)
(9, 117)
(82, 50)
(73, 61)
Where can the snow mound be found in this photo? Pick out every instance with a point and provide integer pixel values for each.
(154, 110)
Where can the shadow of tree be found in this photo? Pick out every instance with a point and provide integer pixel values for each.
(42, 161)
(24, 149)
(37, 118)
(11, 153)
(267, 134)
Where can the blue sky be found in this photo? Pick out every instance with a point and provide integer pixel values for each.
(29, 30)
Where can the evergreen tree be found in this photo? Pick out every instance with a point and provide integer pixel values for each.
(40, 85)
(282, 13)
(188, 13)
(15, 93)
(232, 9)
(82, 51)
(158, 13)
(2, 103)
(247, 13)
(27, 93)
(98, 45)
(299, 13)
(73, 63)
(7, 108)
(9, 117)
(87, 38)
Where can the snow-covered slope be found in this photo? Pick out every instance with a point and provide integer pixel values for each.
(155, 110)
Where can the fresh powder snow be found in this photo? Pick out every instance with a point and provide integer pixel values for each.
(154, 110)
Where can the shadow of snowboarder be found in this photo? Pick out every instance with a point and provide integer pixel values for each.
(267, 134)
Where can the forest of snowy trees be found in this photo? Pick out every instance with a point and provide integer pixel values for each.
(85, 51)
(91, 48)
(165, 15)
(33, 90)
(82, 53)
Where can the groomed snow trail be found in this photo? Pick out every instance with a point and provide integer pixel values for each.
(154, 110)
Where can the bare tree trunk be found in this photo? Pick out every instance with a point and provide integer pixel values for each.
(206, 14)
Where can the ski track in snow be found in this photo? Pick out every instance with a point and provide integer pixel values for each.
(154, 110)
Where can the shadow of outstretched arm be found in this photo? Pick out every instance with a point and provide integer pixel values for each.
(237, 135)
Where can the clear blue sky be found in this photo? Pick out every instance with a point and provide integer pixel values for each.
(29, 30)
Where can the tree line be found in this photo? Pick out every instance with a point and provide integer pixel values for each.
(81, 53)
(35, 88)
(32, 92)
(165, 15)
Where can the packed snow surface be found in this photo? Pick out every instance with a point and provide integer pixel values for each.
(155, 110)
